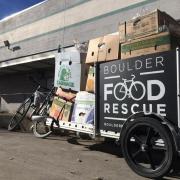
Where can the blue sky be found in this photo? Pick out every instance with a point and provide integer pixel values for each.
(8, 7)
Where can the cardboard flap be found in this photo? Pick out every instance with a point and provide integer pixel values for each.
(93, 50)
(122, 32)
(110, 48)
(73, 56)
(67, 95)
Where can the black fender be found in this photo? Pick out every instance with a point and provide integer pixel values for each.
(173, 130)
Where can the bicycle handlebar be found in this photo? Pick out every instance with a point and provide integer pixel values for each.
(38, 84)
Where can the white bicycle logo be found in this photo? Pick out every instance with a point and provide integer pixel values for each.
(136, 90)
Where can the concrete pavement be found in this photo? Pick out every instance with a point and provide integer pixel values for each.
(25, 157)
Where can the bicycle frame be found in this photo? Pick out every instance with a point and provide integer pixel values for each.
(47, 99)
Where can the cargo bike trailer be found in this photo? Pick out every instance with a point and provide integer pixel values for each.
(137, 103)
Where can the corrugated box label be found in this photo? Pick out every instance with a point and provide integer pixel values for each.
(67, 75)
(146, 43)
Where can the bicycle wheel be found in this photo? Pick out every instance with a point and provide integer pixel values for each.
(148, 148)
(20, 114)
(137, 91)
(120, 91)
(42, 129)
(44, 110)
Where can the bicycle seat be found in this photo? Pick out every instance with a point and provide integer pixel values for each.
(133, 76)
(38, 118)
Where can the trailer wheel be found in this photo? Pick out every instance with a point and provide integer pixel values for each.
(148, 147)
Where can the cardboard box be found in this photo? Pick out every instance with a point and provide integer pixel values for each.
(90, 85)
(83, 111)
(60, 109)
(147, 45)
(66, 94)
(56, 110)
(70, 71)
(93, 49)
(109, 50)
(67, 112)
(103, 49)
(122, 32)
(152, 23)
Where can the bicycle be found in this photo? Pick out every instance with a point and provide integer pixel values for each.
(32, 102)
(136, 90)
(42, 128)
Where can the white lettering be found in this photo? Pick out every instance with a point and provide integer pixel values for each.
(128, 68)
(147, 111)
(161, 109)
(115, 109)
(106, 108)
(124, 109)
(161, 93)
(138, 64)
(159, 60)
(113, 69)
(106, 70)
(149, 63)
(121, 67)
(106, 91)
(132, 108)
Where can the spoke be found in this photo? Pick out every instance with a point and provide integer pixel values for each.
(149, 135)
(24, 109)
(134, 155)
(20, 113)
(151, 161)
(159, 148)
(138, 140)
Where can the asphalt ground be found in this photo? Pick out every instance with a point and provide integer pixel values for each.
(62, 157)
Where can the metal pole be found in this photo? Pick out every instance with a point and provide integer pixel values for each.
(178, 90)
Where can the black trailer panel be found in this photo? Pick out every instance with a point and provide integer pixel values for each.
(147, 83)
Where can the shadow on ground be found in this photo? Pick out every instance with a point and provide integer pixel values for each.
(111, 147)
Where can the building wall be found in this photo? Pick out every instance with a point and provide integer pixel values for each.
(39, 30)
(43, 27)
(15, 88)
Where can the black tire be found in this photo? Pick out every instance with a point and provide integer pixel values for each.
(20, 114)
(148, 147)
(41, 130)
(44, 111)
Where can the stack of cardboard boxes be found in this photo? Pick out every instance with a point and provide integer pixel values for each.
(151, 33)
(101, 49)
(72, 103)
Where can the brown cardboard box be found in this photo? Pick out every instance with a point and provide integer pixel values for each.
(90, 85)
(57, 108)
(71, 70)
(110, 48)
(65, 94)
(152, 23)
(67, 112)
(61, 109)
(147, 45)
(93, 49)
(122, 32)
(103, 49)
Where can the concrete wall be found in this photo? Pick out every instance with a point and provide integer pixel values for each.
(15, 88)
(39, 30)
(55, 22)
